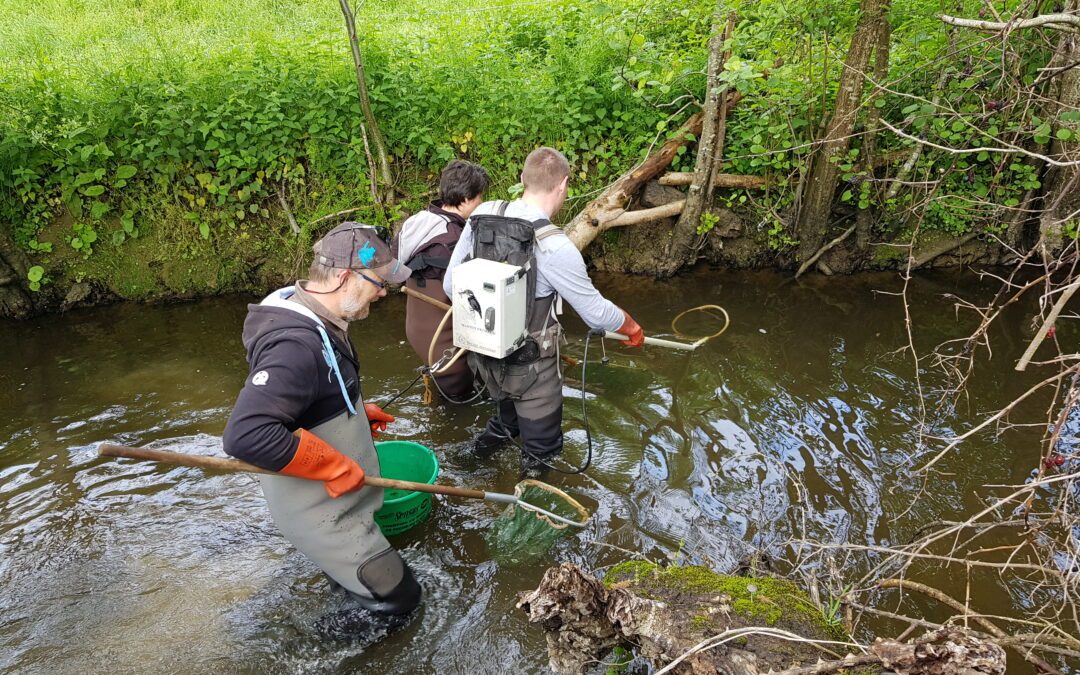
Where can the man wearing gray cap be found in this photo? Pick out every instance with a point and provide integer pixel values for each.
(301, 413)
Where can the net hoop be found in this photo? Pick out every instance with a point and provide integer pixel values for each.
(702, 308)
(519, 490)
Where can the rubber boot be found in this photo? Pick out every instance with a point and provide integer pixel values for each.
(501, 428)
(542, 441)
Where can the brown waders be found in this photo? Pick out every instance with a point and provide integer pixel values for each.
(421, 320)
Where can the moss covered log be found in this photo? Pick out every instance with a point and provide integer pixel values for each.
(661, 612)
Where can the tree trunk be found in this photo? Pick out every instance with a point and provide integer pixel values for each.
(1061, 199)
(813, 219)
(681, 248)
(864, 220)
(370, 125)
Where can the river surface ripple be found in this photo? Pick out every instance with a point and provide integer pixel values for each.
(800, 420)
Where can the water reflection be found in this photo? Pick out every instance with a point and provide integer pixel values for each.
(798, 420)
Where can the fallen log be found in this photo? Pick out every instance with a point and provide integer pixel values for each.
(752, 626)
(664, 613)
(612, 203)
(596, 217)
(946, 650)
(732, 181)
(647, 215)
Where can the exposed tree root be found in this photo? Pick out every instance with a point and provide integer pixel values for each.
(823, 250)
(942, 248)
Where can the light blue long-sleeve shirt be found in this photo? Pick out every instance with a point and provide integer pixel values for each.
(559, 269)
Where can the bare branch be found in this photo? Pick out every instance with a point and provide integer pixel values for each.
(1011, 149)
(1066, 22)
(1047, 324)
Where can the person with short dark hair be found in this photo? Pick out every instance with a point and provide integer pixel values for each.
(426, 242)
(528, 390)
(302, 415)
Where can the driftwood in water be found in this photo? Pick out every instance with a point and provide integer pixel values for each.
(584, 619)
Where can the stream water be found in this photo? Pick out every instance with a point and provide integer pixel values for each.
(798, 421)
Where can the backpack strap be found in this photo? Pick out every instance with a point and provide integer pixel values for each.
(501, 211)
(545, 231)
(420, 261)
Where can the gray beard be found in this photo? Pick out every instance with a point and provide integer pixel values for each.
(351, 310)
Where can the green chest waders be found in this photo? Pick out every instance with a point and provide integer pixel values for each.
(340, 535)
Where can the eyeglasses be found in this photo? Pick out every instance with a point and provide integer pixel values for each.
(381, 284)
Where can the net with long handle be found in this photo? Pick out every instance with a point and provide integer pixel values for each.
(521, 534)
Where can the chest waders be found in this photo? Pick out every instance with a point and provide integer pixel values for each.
(340, 535)
(527, 384)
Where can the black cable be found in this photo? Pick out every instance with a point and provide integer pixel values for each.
(425, 370)
(477, 391)
(401, 393)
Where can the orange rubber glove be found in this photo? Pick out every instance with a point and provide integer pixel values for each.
(632, 330)
(316, 459)
(377, 418)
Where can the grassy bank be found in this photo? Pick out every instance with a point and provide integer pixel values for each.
(185, 123)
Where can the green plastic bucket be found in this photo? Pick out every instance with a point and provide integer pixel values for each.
(404, 509)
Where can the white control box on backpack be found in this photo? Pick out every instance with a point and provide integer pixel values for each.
(489, 303)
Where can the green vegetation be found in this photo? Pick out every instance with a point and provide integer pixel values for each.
(185, 123)
(756, 599)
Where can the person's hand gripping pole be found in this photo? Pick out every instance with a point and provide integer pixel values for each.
(633, 332)
(315, 459)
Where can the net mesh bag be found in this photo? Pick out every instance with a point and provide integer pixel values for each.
(520, 534)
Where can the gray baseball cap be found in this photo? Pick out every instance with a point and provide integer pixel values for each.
(356, 246)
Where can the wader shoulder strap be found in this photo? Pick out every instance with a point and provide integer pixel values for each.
(542, 313)
(280, 298)
(420, 261)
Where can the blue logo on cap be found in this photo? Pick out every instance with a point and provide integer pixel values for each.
(366, 254)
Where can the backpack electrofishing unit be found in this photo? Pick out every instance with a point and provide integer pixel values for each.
(490, 307)
(496, 314)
